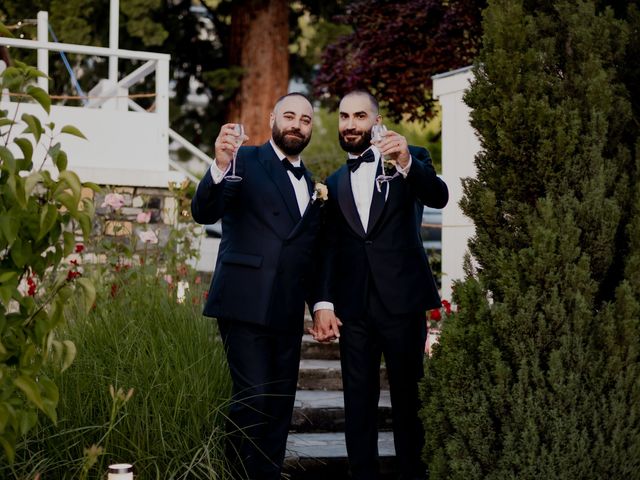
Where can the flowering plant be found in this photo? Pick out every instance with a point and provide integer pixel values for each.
(113, 200)
(42, 207)
(320, 192)
(437, 315)
(435, 320)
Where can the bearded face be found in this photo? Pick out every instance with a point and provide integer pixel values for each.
(291, 140)
(354, 141)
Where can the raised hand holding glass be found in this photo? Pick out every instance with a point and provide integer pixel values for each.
(377, 136)
(238, 130)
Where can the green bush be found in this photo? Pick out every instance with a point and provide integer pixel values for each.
(41, 212)
(538, 374)
(138, 337)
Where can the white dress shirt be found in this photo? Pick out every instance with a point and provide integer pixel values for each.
(363, 181)
(300, 186)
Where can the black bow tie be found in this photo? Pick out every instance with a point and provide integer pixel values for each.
(354, 163)
(297, 171)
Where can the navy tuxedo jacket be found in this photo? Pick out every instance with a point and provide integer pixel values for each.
(263, 265)
(390, 254)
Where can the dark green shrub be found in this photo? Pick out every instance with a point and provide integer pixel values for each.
(538, 374)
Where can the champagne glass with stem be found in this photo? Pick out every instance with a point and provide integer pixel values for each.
(377, 135)
(239, 131)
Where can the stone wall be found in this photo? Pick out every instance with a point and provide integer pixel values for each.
(163, 205)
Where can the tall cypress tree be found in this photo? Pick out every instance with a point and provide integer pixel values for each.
(538, 374)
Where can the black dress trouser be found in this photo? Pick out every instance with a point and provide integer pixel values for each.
(401, 339)
(264, 369)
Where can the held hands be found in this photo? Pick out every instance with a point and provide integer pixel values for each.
(325, 326)
(395, 147)
(227, 142)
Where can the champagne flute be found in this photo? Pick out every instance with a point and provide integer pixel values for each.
(377, 135)
(238, 129)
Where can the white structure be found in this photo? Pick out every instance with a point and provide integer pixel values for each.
(127, 145)
(459, 147)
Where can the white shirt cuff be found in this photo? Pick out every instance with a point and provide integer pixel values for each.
(404, 171)
(216, 173)
(323, 306)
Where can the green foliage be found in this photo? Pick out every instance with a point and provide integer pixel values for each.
(538, 374)
(137, 337)
(39, 217)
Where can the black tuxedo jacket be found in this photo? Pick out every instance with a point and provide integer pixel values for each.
(390, 254)
(263, 265)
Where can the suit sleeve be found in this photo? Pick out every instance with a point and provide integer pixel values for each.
(324, 254)
(207, 204)
(428, 188)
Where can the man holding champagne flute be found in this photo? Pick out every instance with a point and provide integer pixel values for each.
(375, 282)
(270, 218)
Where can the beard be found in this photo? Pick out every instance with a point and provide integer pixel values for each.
(291, 141)
(355, 147)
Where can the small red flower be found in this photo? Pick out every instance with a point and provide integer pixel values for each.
(183, 271)
(119, 267)
(73, 262)
(32, 287)
(114, 290)
(447, 306)
(205, 295)
(72, 274)
(435, 314)
(79, 248)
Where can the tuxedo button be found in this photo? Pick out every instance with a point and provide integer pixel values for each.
(368, 242)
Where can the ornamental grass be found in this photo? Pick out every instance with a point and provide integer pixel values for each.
(149, 386)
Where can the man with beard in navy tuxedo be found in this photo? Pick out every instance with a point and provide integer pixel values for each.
(259, 287)
(375, 283)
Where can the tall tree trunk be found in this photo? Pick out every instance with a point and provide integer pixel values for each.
(260, 45)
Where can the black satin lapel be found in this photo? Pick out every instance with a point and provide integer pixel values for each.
(347, 203)
(281, 178)
(377, 203)
(308, 213)
(310, 207)
(307, 177)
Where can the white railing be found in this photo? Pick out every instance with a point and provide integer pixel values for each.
(110, 94)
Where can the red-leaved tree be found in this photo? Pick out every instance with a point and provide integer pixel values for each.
(395, 49)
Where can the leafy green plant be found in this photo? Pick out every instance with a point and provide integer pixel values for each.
(138, 336)
(40, 211)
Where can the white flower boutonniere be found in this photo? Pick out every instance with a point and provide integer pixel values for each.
(320, 192)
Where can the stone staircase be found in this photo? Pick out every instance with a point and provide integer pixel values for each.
(316, 447)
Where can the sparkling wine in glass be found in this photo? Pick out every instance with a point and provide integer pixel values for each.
(238, 129)
(377, 135)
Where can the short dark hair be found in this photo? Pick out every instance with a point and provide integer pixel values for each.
(364, 93)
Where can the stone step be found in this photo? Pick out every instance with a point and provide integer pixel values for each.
(327, 375)
(320, 351)
(320, 456)
(323, 411)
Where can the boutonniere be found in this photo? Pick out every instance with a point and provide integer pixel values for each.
(320, 192)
